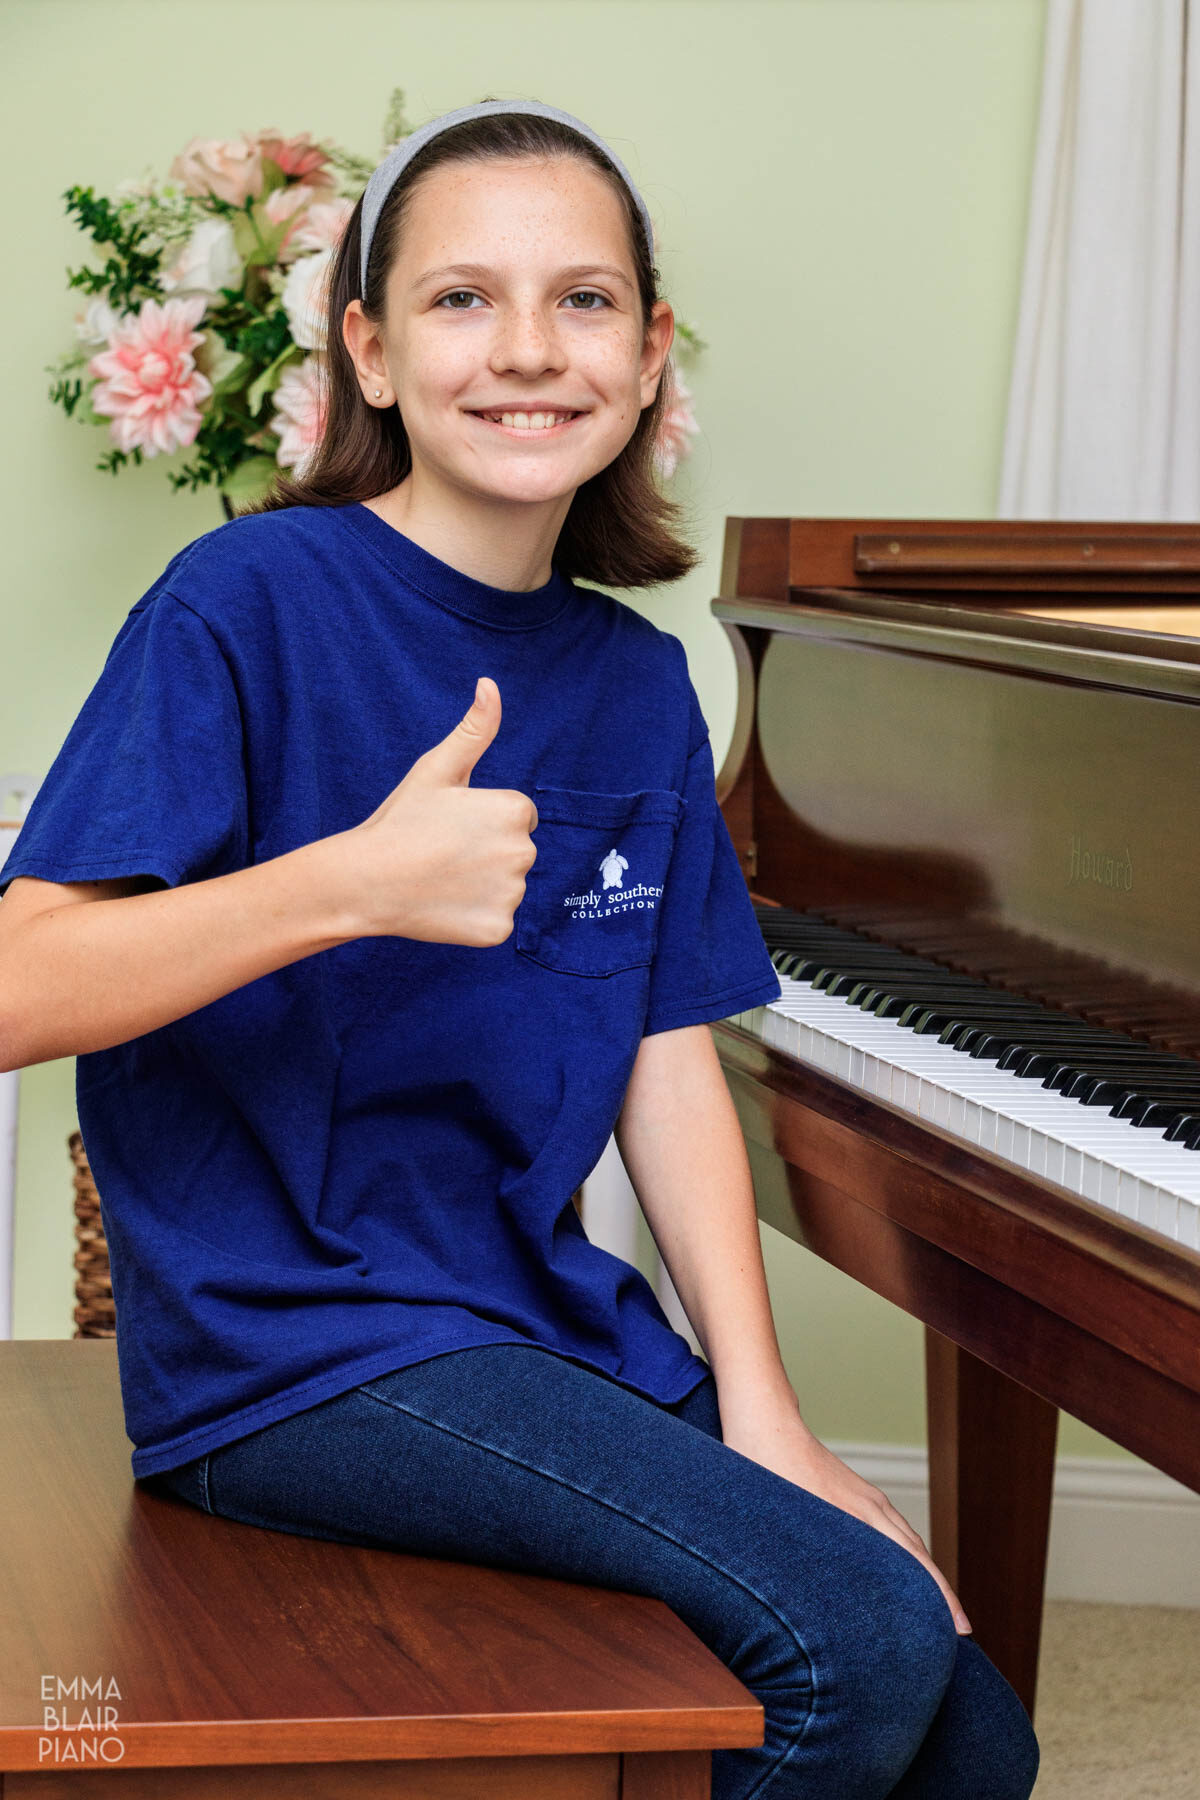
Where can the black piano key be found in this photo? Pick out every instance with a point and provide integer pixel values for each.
(844, 981)
(821, 969)
(1099, 1088)
(1185, 1130)
(1096, 1065)
(1027, 1054)
(1077, 1069)
(906, 1008)
(999, 1006)
(1153, 1084)
(924, 1018)
(1036, 1059)
(1049, 1025)
(1151, 1110)
(1156, 1108)
(869, 990)
(976, 996)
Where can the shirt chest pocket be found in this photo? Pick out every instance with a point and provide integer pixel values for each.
(593, 896)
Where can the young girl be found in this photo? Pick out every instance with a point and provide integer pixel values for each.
(387, 956)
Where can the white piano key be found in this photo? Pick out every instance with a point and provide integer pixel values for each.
(1132, 1170)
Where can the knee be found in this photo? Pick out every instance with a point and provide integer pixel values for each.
(990, 1727)
(1020, 1761)
(914, 1641)
(890, 1669)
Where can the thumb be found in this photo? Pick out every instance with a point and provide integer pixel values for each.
(455, 757)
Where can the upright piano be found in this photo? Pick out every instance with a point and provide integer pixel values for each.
(964, 783)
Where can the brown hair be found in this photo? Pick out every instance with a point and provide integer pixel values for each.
(620, 528)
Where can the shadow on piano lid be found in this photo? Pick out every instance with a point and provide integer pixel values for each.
(980, 741)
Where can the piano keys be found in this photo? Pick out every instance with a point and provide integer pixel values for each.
(964, 783)
(1090, 1110)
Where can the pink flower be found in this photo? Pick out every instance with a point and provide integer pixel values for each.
(229, 168)
(678, 424)
(298, 157)
(286, 206)
(150, 385)
(300, 419)
(321, 225)
(284, 202)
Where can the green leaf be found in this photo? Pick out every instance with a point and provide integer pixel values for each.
(233, 374)
(269, 378)
(245, 238)
(250, 480)
(86, 411)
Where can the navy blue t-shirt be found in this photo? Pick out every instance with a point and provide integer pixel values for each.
(368, 1157)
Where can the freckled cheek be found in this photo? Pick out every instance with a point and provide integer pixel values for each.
(614, 374)
(438, 368)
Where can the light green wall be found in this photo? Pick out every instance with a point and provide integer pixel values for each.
(839, 188)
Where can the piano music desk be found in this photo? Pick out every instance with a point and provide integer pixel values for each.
(264, 1663)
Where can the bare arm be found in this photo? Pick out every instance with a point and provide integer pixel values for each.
(682, 1146)
(88, 965)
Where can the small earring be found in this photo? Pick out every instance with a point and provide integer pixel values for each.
(378, 392)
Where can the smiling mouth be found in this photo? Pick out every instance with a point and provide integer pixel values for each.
(529, 425)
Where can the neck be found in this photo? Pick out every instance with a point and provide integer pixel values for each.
(504, 545)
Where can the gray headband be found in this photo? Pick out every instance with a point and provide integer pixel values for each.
(380, 184)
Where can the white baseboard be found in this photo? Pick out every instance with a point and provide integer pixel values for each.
(1119, 1531)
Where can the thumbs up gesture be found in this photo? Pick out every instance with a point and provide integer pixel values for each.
(439, 859)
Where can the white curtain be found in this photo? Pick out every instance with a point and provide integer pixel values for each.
(1104, 405)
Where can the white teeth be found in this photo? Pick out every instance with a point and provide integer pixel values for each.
(521, 421)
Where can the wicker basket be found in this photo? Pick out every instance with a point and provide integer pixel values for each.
(95, 1313)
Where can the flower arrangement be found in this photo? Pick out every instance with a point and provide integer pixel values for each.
(204, 328)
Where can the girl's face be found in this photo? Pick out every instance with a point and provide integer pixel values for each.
(514, 292)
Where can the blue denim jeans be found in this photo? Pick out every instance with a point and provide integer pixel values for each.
(509, 1455)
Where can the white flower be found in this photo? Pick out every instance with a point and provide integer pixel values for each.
(305, 298)
(208, 261)
(95, 325)
(137, 187)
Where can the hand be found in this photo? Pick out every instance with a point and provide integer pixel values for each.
(439, 859)
(790, 1449)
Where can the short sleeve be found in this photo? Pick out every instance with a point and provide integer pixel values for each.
(150, 779)
(711, 959)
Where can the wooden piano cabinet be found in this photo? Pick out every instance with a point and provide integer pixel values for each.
(976, 740)
(1045, 1300)
(267, 1664)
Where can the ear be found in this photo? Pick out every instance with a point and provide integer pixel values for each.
(364, 346)
(656, 347)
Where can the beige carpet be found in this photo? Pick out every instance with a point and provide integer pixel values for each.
(1118, 1704)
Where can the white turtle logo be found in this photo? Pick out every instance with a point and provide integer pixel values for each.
(611, 868)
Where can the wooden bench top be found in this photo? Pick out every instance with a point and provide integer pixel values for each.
(219, 1643)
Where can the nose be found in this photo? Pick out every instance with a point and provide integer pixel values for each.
(526, 342)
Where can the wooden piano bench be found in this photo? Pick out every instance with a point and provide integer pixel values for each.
(150, 1651)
